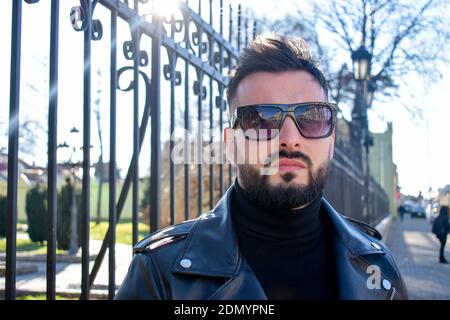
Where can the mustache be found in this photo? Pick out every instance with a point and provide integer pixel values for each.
(289, 155)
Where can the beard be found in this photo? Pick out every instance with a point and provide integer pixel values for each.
(283, 196)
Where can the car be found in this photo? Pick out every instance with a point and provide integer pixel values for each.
(418, 212)
(409, 208)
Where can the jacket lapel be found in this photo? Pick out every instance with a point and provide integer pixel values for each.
(242, 286)
(211, 244)
(212, 247)
(213, 250)
(359, 274)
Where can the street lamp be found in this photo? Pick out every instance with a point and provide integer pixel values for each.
(74, 166)
(361, 67)
(361, 63)
(371, 87)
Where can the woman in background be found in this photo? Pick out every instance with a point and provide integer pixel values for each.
(441, 227)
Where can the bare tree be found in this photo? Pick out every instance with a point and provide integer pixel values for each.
(405, 38)
(29, 134)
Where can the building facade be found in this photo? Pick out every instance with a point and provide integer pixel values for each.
(382, 167)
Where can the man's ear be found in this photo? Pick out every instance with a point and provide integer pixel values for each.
(228, 138)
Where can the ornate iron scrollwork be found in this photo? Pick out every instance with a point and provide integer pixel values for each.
(217, 57)
(220, 103)
(167, 71)
(143, 58)
(195, 38)
(200, 90)
(97, 30)
(197, 41)
(128, 52)
(131, 85)
(128, 49)
(178, 25)
(78, 16)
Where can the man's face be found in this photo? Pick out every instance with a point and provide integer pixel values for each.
(289, 185)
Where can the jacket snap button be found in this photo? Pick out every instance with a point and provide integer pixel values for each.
(386, 284)
(376, 246)
(186, 263)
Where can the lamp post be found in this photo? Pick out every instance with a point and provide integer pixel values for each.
(361, 63)
(364, 95)
(73, 247)
(74, 166)
(371, 87)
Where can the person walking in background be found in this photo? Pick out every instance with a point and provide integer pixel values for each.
(401, 211)
(441, 227)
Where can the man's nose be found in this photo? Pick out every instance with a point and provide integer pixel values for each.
(290, 137)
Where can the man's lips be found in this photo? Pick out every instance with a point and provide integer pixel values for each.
(290, 165)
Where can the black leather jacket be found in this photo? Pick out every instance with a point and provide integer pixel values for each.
(200, 259)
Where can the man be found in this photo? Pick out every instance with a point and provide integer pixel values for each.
(401, 211)
(272, 235)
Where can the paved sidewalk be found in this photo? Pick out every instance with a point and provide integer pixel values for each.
(416, 251)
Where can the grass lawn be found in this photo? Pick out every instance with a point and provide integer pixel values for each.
(97, 232)
(26, 245)
(123, 231)
(23, 188)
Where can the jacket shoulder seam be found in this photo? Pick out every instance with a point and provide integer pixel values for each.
(357, 251)
(366, 228)
(163, 237)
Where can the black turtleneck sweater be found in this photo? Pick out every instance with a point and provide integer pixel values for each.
(288, 251)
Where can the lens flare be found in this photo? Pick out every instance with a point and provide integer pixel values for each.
(164, 8)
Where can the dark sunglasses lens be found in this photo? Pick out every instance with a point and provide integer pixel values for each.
(259, 122)
(315, 121)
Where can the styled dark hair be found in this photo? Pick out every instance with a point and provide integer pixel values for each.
(274, 53)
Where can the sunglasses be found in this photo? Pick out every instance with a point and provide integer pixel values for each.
(314, 120)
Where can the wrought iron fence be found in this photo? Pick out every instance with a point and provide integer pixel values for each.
(345, 189)
(197, 60)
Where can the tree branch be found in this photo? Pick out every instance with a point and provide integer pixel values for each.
(401, 36)
(346, 37)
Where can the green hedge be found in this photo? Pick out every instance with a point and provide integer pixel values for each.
(64, 215)
(36, 209)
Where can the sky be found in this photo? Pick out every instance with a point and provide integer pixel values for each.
(421, 147)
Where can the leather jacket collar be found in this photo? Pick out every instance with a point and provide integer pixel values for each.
(211, 245)
(200, 259)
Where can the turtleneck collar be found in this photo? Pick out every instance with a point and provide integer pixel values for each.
(274, 223)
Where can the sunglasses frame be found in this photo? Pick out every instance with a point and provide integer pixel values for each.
(287, 110)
